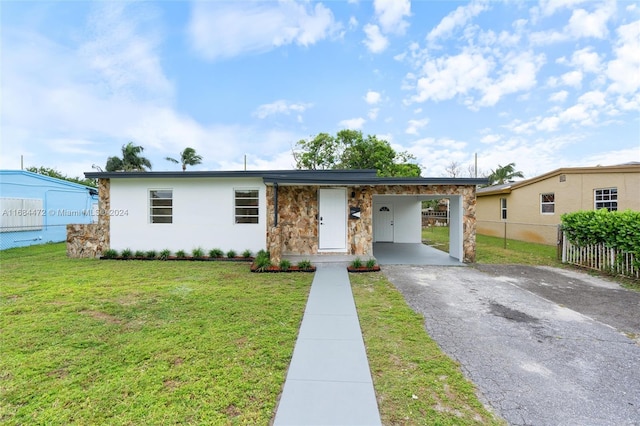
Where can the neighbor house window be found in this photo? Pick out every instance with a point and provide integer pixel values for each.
(606, 199)
(247, 205)
(161, 206)
(548, 203)
(503, 208)
(21, 214)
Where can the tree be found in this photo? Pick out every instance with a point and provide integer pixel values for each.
(350, 150)
(188, 157)
(47, 171)
(504, 174)
(131, 160)
(453, 169)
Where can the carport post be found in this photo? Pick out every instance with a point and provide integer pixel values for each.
(505, 235)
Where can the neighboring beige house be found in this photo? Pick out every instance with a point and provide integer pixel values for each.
(530, 210)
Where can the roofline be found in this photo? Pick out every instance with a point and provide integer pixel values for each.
(298, 177)
(620, 168)
(47, 178)
(219, 173)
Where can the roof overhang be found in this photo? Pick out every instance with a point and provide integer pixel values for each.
(297, 177)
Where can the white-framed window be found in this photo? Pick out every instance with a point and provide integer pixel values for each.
(606, 198)
(503, 208)
(160, 206)
(548, 203)
(246, 205)
(21, 214)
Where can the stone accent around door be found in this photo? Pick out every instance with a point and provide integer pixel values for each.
(297, 229)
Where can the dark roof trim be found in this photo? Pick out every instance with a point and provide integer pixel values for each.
(299, 177)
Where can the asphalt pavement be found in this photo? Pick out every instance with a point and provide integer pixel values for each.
(543, 346)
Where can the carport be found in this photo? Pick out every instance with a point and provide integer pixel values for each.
(397, 219)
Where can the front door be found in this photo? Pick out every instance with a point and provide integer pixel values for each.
(332, 220)
(383, 223)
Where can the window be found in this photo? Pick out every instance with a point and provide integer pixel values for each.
(503, 208)
(246, 205)
(161, 206)
(606, 199)
(547, 203)
(21, 214)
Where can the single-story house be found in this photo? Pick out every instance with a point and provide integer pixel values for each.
(530, 210)
(287, 212)
(35, 209)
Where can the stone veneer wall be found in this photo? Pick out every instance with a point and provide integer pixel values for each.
(91, 240)
(297, 230)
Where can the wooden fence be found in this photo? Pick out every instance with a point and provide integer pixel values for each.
(601, 258)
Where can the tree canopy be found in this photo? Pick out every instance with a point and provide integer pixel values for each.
(131, 160)
(188, 157)
(504, 174)
(350, 150)
(48, 171)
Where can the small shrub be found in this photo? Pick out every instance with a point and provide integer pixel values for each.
(231, 254)
(371, 263)
(356, 263)
(262, 263)
(216, 253)
(181, 254)
(197, 253)
(139, 253)
(164, 254)
(285, 265)
(263, 253)
(304, 264)
(110, 254)
(126, 253)
(246, 254)
(151, 254)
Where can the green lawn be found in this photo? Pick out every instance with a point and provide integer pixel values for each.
(491, 249)
(149, 342)
(143, 342)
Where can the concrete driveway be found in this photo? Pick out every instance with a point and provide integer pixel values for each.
(544, 346)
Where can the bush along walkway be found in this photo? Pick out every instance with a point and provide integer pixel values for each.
(329, 381)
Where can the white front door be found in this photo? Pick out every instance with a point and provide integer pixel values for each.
(332, 220)
(383, 223)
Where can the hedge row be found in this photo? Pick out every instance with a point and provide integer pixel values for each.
(619, 230)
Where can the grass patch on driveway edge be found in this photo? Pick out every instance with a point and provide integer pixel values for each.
(415, 382)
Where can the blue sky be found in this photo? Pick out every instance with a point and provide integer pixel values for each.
(547, 84)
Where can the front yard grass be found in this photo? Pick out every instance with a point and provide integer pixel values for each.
(142, 342)
(152, 342)
(415, 382)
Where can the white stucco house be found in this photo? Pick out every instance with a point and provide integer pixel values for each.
(288, 212)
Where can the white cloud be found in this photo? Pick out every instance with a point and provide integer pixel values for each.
(372, 97)
(280, 107)
(391, 13)
(375, 41)
(373, 113)
(353, 23)
(572, 78)
(353, 123)
(457, 18)
(624, 70)
(549, 7)
(586, 60)
(222, 30)
(585, 24)
(491, 138)
(415, 125)
(560, 96)
(518, 73)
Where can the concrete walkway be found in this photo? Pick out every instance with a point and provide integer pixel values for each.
(329, 382)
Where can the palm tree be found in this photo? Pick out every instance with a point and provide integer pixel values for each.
(504, 174)
(130, 161)
(188, 157)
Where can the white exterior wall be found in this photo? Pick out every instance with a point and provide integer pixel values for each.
(203, 215)
(407, 217)
(456, 233)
